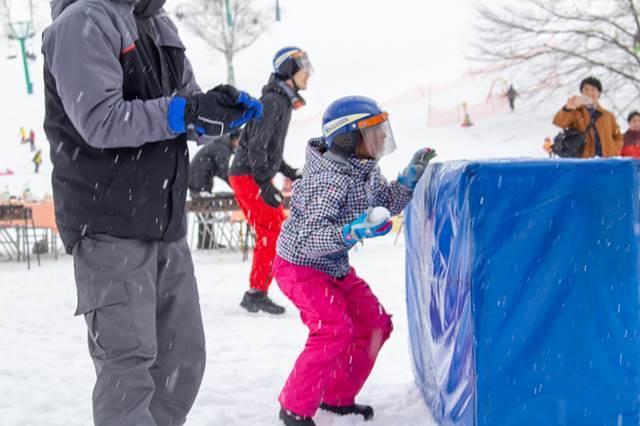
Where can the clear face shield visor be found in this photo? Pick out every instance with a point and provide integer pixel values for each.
(377, 137)
(302, 60)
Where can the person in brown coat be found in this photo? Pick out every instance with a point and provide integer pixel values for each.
(605, 138)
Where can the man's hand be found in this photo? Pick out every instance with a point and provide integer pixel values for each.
(214, 113)
(253, 109)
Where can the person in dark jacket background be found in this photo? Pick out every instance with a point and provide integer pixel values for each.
(120, 99)
(631, 147)
(210, 161)
(258, 159)
(511, 97)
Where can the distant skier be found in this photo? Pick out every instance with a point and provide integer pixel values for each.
(330, 213)
(258, 159)
(548, 146)
(37, 160)
(511, 96)
(467, 117)
(32, 140)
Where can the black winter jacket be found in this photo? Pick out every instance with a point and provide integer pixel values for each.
(262, 142)
(109, 76)
(212, 160)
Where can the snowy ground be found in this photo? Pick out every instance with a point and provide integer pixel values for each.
(46, 375)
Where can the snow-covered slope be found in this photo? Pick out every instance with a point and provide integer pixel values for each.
(391, 52)
(46, 374)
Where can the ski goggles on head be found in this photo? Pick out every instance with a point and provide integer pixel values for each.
(302, 60)
(377, 136)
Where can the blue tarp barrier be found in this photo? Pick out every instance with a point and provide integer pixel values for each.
(523, 293)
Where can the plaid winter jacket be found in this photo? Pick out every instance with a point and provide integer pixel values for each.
(330, 195)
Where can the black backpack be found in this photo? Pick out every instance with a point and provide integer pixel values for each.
(570, 143)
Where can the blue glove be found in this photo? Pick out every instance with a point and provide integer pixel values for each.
(411, 175)
(253, 108)
(362, 228)
(175, 115)
(214, 113)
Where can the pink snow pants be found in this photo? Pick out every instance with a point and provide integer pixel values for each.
(347, 327)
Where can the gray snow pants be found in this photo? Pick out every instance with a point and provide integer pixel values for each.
(141, 305)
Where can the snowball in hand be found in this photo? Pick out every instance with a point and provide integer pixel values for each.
(378, 216)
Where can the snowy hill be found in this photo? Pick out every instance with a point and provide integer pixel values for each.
(374, 48)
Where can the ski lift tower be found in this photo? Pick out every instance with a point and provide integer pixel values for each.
(21, 31)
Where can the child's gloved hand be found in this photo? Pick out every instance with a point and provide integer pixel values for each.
(372, 223)
(413, 172)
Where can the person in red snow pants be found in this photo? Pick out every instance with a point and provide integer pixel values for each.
(347, 328)
(266, 221)
(258, 159)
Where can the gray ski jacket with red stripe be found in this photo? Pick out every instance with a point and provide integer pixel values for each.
(109, 76)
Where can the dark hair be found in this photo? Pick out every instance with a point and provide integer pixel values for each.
(235, 134)
(591, 81)
(633, 114)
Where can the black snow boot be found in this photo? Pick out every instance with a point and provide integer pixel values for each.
(254, 301)
(364, 410)
(291, 419)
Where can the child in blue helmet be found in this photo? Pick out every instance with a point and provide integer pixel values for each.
(330, 213)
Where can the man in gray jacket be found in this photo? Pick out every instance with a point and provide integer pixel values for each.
(121, 102)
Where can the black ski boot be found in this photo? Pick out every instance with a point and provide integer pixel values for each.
(291, 419)
(364, 410)
(254, 301)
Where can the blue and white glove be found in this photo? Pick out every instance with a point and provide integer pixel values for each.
(374, 222)
(253, 108)
(214, 113)
(411, 175)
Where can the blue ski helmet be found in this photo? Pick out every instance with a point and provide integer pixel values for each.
(289, 60)
(354, 120)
